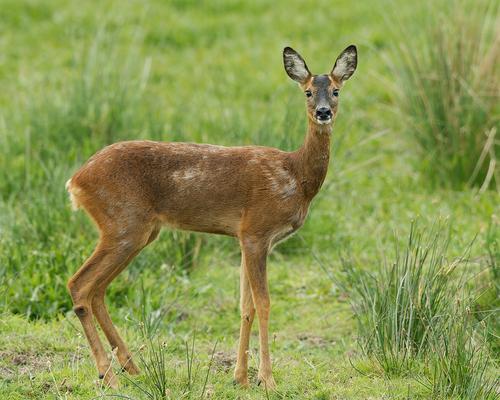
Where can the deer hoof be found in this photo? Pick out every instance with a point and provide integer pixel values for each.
(268, 383)
(242, 382)
(109, 379)
(131, 368)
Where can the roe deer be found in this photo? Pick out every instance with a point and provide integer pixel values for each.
(259, 195)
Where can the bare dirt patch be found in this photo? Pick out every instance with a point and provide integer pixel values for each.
(14, 363)
(314, 340)
(224, 360)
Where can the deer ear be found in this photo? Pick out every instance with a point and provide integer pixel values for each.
(295, 66)
(345, 65)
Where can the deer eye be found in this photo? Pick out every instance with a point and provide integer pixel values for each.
(308, 93)
(335, 93)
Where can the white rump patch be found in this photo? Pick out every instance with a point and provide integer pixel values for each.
(71, 191)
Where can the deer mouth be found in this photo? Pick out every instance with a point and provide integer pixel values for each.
(323, 121)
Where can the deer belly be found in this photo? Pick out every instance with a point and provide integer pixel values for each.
(202, 219)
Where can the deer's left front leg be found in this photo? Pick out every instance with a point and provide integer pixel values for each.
(247, 315)
(255, 254)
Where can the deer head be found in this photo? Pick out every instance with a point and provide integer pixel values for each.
(321, 91)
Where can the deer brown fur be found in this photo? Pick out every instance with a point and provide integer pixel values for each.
(259, 195)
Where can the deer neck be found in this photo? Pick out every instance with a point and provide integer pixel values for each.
(313, 158)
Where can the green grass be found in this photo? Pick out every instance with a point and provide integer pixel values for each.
(414, 317)
(460, 363)
(398, 307)
(487, 304)
(448, 92)
(77, 76)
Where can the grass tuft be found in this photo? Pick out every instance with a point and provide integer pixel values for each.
(460, 364)
(396, 307)
(487, 304)
(158, 383)
(415, 316)
(447, 75)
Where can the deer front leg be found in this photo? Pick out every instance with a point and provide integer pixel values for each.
(247, 315)
(255, 255)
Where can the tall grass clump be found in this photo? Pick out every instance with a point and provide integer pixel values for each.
(417, 315)
(448, 82)
(487, 304)
(460, 363)
(163, 381)
(396, 306)
(160, 380)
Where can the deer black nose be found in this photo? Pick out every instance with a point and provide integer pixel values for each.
(323, 113)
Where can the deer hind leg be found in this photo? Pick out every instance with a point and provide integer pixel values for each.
(103, 265)
(102, 315)
(247, 316)
(255, 253)
(82, 286)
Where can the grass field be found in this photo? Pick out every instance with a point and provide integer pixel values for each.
(75, 76)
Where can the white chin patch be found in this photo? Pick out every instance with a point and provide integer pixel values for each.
(323, 121)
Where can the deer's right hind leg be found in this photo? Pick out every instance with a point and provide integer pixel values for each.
(82, 286)
(102, 315)
(109, 257)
